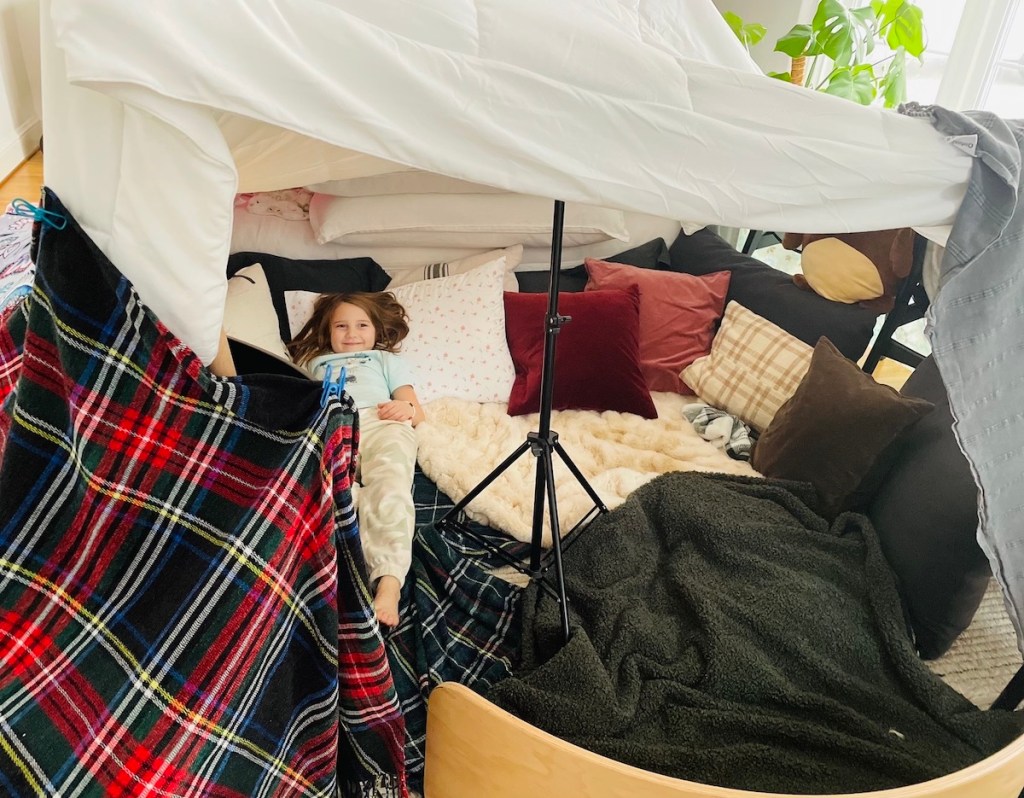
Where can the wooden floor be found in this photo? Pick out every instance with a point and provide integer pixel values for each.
(26, 181)
(892, 373)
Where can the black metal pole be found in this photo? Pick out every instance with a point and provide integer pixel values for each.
(554, 321)
(541, 444)
(552, 324)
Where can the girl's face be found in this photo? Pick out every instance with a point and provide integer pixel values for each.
(351, 329)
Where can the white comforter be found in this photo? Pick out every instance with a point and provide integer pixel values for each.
(158, 112)
(461, 442)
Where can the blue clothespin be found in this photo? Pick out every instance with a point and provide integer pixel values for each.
(22, 207)
(332, 387)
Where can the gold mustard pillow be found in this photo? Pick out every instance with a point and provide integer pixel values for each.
(835, 270)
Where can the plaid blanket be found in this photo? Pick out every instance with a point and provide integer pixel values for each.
(458, 622)
(183, 600)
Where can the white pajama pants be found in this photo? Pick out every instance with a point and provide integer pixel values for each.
(387, 516)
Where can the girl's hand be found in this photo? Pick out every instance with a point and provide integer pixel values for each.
(396, 410)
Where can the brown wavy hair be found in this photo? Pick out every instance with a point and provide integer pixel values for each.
(390, 322)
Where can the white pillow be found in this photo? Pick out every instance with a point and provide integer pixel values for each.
(249, 313)
(432, 271)
(458, 220)
(412, 181)
(299, 304)
(295, 239)
(299, 307)
(456, 343)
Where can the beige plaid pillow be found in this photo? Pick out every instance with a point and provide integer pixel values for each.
(753, 367)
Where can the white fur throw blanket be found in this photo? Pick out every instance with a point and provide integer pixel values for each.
(461, 442)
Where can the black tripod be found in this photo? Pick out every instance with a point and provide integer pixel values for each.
(540, 444)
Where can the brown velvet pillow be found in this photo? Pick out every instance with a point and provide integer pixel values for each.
(833, 428)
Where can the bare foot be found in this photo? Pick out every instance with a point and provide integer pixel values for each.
(385, 602)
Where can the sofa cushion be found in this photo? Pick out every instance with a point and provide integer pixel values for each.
(650, 255)
(285, 275)
(926, 515)
(772, 294)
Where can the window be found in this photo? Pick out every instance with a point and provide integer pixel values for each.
(1005, 94)
(975, 56)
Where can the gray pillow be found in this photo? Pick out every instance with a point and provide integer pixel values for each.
(926, 515)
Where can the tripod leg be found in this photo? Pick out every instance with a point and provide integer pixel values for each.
(547, 465)
(537, 539)
(458, 508)
(580, 478)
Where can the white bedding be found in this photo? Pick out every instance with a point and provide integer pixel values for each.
(461, 442)
(154, 118)
(295, 239)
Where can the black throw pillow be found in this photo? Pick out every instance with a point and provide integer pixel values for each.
(773, 295)
(926, 515)
(646, 256)
(318, 276)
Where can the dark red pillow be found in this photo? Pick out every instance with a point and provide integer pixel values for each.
(597, 354)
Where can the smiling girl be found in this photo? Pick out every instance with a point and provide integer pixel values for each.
(363, 332)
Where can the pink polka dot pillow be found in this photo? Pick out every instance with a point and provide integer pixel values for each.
(456, 343)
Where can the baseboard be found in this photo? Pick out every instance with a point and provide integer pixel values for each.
(20, 146)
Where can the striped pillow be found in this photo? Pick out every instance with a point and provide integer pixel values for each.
(416, 274)
(753, 367)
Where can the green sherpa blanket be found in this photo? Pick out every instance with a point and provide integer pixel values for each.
(724, 633)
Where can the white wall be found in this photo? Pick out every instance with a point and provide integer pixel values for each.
(20, 100)
(778, 16)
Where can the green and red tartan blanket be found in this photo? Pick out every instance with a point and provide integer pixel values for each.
(183, 601)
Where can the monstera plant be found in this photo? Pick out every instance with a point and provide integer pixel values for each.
(839, 48)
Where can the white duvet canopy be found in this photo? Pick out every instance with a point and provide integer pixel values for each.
(157, 113)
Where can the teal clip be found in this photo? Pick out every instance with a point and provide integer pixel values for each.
(332, 387)
(22, 207)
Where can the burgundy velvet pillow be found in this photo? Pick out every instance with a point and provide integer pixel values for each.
(678, 316)
(597, 354)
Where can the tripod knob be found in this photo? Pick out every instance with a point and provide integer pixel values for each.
(556, 321)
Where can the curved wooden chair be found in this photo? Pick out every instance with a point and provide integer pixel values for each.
(477, 750)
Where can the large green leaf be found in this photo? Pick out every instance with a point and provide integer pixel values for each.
(749, 33)
(734, 21)
(834, 29)
(797, 42)
(852, 83)
(866, 16)
(903, 25)
(867, 22)
(753, 32)
(893, 86)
